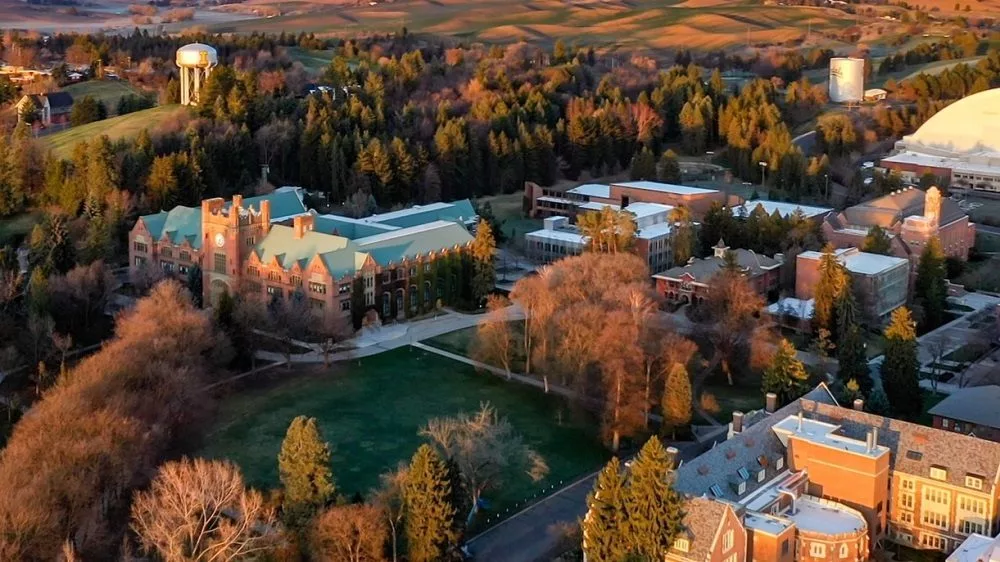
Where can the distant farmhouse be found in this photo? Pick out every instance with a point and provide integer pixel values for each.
(50, 109)
(274, 247)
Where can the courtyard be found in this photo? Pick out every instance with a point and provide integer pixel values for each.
(371, 410)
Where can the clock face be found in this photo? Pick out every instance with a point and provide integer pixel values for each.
(220, 240)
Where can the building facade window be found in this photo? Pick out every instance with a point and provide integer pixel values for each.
(906, 501)
(316, 304)
(184, 269)
(274, 291)
(843, 550)
(167, 266)
(274, 276)
(252, 271)
(186, 256)
(344, 288)
(165, 251)
(906, 517)
(345, 304)
(937, 495)
(939, 473)
(219, 263)
(319, 288)
(906, 483)
(969, 526)
(817, 550)
(974, 482)
(934, 519)
(933, 541)
(140, 247)
(727, 540)
(296, 280)
(973, 505)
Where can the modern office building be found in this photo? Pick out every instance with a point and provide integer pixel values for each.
(274, 247)
(541, 202)
(960, 143)
(879, 282)
(558, 238)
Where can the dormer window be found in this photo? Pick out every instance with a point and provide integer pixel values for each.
(744, 473)
(716, 490)
(741, 487)
(760, 475)
(938, 473)
(682, 544)
(779, 463)
(973, 481)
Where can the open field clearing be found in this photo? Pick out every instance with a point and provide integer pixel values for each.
(616, 23)
(370, 414)
(122, 127)
(107, 91)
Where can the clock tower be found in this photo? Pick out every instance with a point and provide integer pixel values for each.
(228, 236)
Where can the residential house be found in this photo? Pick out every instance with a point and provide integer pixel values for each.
(53, 108)
(691, 282)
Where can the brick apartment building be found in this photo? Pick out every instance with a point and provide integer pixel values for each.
(272, 246)
(910, 217)
(541, 202)
(691, 282)
(815, 481)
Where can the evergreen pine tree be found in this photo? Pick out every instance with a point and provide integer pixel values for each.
(643, 165)
(430, 517)
(304, 467)
(899, 368)
(852, 360)
(655, 510)
(670, 169)
(877, 242)
(785, 376)
(483, 249)
(677, 399)
(930, 290)
(684, 236)
(195, 285)
(832, 282)
(878, 403)
(606, 520)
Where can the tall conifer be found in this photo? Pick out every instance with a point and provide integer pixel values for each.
(430, 517)
(655, 510)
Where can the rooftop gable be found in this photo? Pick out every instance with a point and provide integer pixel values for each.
(702, 520)
(409, 243)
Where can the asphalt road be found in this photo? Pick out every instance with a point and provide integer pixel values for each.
(529, 536)
(806, 142)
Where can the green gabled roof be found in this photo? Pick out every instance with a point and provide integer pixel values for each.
(280, 243)
(394, 247)
(349, 228)
(285, 202)
(178, 224)
(461, 211)
(344, 262)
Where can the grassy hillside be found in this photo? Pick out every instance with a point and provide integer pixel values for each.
(124, 126)
(107, 91)
(611, 23)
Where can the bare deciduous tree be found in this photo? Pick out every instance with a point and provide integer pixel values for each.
(200, 511)
(494, 342)
(486, 448)
(350, 533)
(389, 498)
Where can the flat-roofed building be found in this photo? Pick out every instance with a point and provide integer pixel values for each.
(541, 202)
(558, 238)
(879, 282)
(784, 210)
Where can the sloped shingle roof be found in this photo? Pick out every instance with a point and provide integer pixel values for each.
(702, 519)
(979, 405)
(702, 270)
(717, 466)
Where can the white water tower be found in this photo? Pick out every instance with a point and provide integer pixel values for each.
(196, 62)
(847, 80)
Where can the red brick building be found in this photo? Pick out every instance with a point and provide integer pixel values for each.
(691, 282)
(910, 217)
(972, 411)
(541, 202)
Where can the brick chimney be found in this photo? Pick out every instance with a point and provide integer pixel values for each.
(265, 212)
(859, 404)
(672, 455)
(737, 421)
(770, 402)
(237, 202)
(301, 225)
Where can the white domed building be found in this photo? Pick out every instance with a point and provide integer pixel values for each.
(961, 143)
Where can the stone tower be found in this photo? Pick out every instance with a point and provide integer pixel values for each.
(228, 235)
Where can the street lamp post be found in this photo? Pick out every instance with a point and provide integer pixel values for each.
(763, 173)
(827, 176)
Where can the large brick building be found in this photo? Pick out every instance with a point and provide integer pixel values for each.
(972, 411)
(541, 202)
(879, 282)
(815, 481)
(273, 247)
(910, 217)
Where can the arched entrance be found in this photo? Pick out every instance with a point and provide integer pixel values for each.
(217, 288)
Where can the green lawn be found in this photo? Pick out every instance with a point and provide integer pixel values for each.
(741, 397)
(370, 413)
(122, 127)
(107, 91)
